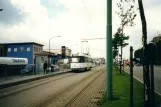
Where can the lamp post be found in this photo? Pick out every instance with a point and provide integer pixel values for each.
(49, 42)
(49, 46)
(1, 9)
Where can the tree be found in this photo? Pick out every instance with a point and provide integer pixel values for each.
(115, 47)
(115, 50)
(115, 53)
(127, 16)
(119, 40)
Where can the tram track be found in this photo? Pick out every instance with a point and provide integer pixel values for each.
(71, 103)
(67, 96)
(26, 86)
(34, 84)
(38, 94)
(91, 94)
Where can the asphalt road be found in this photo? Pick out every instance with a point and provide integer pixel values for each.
(138, 73)
(34, 93)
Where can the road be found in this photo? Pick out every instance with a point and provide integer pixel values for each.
(58, 91)
(138, 73)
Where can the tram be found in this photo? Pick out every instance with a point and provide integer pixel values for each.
(82, 62)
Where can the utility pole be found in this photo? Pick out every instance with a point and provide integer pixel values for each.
(146, 77)
(131, 77)
(109, 61)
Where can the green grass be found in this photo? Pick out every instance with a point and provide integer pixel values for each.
(121, 93)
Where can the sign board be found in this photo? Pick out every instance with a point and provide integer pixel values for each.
(13, 61)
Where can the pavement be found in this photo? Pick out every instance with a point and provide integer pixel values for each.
(138, 74)
(16, 80)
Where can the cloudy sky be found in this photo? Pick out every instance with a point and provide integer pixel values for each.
(73, 20)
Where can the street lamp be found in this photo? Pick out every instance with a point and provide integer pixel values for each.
(49, 48)
(1, 9)
(49, 42)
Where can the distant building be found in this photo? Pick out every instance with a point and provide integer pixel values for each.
(21, 50)
(99, 60)
(59, 51)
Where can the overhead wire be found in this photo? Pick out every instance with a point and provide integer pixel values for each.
(93, 39)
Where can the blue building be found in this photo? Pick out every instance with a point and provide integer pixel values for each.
(21, 50)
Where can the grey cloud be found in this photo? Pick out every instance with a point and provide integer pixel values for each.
(151, 3)
(10, 14)
(136, 36)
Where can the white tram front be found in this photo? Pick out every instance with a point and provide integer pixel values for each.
(81, 63)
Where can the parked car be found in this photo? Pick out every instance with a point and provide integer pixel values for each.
(28, 69)
(53, 68)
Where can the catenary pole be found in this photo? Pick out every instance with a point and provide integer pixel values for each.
(109, 61)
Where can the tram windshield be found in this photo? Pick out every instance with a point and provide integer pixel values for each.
(80, 59)
(75, 60)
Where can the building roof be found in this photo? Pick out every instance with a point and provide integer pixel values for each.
(21, 43)
(48, 52)
(41, 54)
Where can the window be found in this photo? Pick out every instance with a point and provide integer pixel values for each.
(75, 60)
(15, 49)
(21, 49)
(28, 49)
(82, 59)
(88, 60)
(9, 49)
(35, 49)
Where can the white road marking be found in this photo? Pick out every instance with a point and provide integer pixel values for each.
(142, 83)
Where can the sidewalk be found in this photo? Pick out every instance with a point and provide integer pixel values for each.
(15, 80)
(157, 66)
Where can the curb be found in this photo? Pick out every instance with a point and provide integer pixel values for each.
(28, 80)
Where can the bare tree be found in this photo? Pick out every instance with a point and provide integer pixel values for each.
(127, 15)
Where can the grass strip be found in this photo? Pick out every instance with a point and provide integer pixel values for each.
(121, 92)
